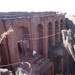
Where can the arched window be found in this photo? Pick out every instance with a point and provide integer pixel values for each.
(56, 31)
(49, 33)
(61, 28)
(25, 33)
(61, 25)
(40, 41)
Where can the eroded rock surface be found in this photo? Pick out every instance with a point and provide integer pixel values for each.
(69, 42)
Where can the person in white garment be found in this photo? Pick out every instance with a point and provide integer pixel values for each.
(34, 53)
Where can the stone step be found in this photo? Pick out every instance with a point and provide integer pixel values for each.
(37, 57)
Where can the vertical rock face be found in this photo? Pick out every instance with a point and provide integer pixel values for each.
(69, 42)
(5, 72)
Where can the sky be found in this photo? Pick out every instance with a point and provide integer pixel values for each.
(66, 6)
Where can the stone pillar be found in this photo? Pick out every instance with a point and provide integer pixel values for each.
(45, 40)
(34, 34)
(52, 70)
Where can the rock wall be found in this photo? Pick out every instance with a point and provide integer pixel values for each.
(69, 44)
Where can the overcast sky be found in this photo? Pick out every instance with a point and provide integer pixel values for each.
(38, 5)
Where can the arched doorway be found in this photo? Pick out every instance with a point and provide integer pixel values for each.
(24, 43)
(49, 33)
(40, 41)
(56, 31)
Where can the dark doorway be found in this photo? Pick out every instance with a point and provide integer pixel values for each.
(40, 41)
(24, 43)
(49, 33)
(20, 49)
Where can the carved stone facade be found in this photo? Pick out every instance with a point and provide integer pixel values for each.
(32, 31)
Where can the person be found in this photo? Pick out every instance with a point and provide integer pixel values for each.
(34, 53)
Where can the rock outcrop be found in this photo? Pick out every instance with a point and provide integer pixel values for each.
(69, 42)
